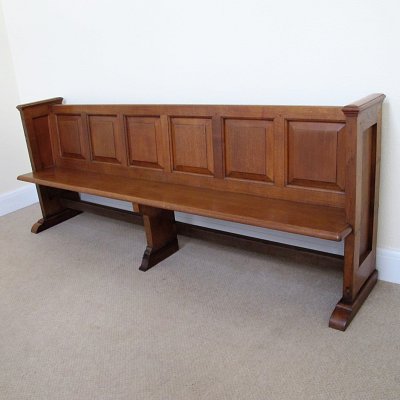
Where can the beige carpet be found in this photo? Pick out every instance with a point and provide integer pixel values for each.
(79, 321)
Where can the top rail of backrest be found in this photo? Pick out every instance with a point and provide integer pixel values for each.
(333, 113)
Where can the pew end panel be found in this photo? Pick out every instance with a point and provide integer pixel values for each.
(363, 154)
(35, 119)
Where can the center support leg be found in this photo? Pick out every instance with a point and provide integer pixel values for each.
(161, 236)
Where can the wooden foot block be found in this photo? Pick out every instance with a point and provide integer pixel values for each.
(48, 222)
(152, 257)
(161, 236)
(344, 313)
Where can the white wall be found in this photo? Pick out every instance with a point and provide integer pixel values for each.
(247, 52)
(13, 155)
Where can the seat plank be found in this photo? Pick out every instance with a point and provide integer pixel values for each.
(322, 222)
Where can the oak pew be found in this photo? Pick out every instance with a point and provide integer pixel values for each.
(309, 170)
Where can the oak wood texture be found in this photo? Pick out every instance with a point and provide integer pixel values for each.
(53, 211)
(310, 170)
(36, 123)
(344, 311)
(191, 145)
(45, 223)
(316, 154)
(144, 138)
(99, 209)
(200, 232)
(363, 138)
(160, 228)
(249, 149)
(238, 149)
(304, 219)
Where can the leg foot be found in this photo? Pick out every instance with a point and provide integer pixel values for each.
(161, 236)
(48, 222)
(152, 257)
(344, 313)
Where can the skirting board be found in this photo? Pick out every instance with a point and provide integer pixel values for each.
(388, 260)
(17, 199)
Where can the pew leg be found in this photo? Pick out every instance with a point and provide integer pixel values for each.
(360, 276)
(52, 209)
(161, 235)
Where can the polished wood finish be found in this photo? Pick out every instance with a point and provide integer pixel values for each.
(363, 138)
(36, 123)
(344, 311)
(106, 139)
(145, 142)
(239, 149)
(105, 211)
(200, 232)
(309, 170)
(48, 222)
(249, 149)
(191, 145)
(305, 219)
(160, 229)
(71, 138)
(53, 211)
(36, 120)
(316, 155)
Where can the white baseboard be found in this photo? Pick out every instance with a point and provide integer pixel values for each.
(388, 265)
(241, 229)
(263, 233)
(388, 260)
(17, 199)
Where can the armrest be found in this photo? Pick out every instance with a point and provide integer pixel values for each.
(54, 100)
(363, 104)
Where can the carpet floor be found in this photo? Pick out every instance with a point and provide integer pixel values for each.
(78, 320)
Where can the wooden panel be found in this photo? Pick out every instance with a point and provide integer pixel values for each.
(277, 190)
(218, 150)
(71, 137)
(280, 154)
(249, 149)
(43, 142)
(367, 191)
(199, 174)
(106, 139)
(144, 141)
(316, 154)
(192, 150)
(319, 221)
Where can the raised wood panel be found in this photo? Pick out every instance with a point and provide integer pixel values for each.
(249, 149)
(144, 140)
(71, 136)
(277, 190)
(106, 140)
(368, 138)
(43, 142)
(316, 154)
(191, 141)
